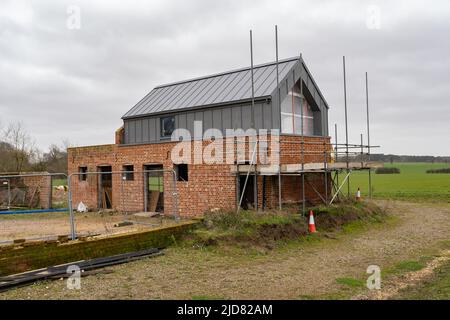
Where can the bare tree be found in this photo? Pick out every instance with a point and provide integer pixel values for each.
(22, 145)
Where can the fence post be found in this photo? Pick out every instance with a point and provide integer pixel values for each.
(175, 195)
(72, 219)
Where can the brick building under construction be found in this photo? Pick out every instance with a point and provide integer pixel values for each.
(289, 106)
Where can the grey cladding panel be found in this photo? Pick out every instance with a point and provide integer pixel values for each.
(236, 117)
(226, 119)
(267, 114)
(259, 116)
(207, 120)
(132, 131)
(217, 119)
(127, 130)
(145, 130)
(190, 117)
(152, 128)
(246, 116)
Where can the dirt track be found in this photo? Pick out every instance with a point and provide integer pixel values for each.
(296, 271)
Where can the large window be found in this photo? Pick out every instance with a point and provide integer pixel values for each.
(167, 126)
(291, 114)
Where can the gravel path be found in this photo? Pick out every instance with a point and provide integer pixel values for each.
(295, 271)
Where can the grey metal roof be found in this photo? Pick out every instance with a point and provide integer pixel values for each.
(228, 87)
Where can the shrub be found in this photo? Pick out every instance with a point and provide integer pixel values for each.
(266, 229)
(388, 170)
(443, 170)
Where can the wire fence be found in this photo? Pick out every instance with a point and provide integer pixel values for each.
(41, 195)
(107, 202)
(46, 206)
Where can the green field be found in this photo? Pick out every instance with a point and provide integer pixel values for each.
(413, 183)
(59, 182)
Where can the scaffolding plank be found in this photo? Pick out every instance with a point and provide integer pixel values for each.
(307, 167)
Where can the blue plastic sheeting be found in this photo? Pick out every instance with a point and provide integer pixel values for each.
(33, 211)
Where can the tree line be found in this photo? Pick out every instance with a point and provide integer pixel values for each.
(19, 152)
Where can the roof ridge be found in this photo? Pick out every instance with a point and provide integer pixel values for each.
(226, 72)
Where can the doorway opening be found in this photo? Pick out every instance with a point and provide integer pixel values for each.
(154, 188)
(249, 196)
(105, 187)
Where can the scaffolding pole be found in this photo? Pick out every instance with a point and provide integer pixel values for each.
(255, 178)
(346, 126)
(368, 134)
(279, 107)
(336, 149)
(303, 138)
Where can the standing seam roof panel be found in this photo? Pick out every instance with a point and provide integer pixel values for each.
(230, 86)
(219, 88)
(147, 107)
(198, 92)
(207, 87)
(219, 84)
(139, 105)
(257, 75)
(264, 85)
(167, 104)
(238, 87)
(198, 85)
(145, 103)
(231, 80)
(225, 94)
(156, 103)
(190, 86)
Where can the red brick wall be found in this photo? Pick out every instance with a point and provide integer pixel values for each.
(43, 187)
(37, 189)
(208, 187)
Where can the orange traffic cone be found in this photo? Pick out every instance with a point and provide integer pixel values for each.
(358, 195)
(312, 225)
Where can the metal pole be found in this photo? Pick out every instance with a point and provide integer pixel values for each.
(279, 108)
(175, 196)
(335, 143)
(325, 174)
(368, 134)
(253, 87)
(72, 218)
(255, 178)
(336, 150)
(362, 151)
(303, 137)
(346, 125)
(9, 194)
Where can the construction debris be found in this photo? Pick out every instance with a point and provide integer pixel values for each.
(57, 272)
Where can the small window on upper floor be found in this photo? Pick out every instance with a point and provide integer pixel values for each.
(167, 126)
(182, 172)
(128, 173)
(82, 173)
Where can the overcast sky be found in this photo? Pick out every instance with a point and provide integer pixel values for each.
(65, 82)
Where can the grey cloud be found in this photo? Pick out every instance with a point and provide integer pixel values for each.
(77, 84)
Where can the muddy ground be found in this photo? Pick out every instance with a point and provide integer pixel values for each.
(43, 225)
(297, 270)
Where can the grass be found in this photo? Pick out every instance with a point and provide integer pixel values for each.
(413, 183)
(408, 266)
(35, 216)
(351, 282)
(59, 182)
(256, 231)
(202, 297)
(436, 287)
